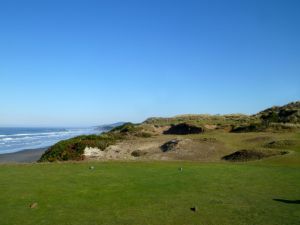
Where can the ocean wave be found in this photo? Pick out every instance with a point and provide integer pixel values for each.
(21, 139)
(7, 139)
(79, 131)
(37, 135)
(32, 134)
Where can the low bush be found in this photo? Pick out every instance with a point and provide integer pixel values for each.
(280, 144)
(248, 155)
(248, 128)
(184, 129)
(131, 129)
(73, 149)
(138, 153)
(126, 128)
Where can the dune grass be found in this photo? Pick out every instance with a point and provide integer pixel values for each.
(150, 193)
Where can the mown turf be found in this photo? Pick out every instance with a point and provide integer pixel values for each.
(151, 193)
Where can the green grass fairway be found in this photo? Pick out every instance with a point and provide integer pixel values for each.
(140, 193)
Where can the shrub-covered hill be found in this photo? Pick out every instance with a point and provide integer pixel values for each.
(276, 118)
(73, 149)
(289, 113)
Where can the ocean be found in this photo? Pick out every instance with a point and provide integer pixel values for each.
(17, 139)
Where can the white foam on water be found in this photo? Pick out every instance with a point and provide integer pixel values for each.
(20, 141)
(7, 139)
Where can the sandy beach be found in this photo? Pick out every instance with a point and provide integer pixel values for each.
(24, 156)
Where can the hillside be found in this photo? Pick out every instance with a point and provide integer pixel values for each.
(108, 127)
(204, 119)
(289, 113)
(187, 137)
(186, 171)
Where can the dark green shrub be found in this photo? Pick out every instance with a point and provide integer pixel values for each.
(184, 129)
(248, 128)
(138, 153)
(73, 149)
(126, 127)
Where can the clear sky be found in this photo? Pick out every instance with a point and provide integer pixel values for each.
(77, 63)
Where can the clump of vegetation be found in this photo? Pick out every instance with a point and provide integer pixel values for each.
(138, 153)
(257, 139)
(263, 126)
(131, 129)
(143, 135)
(63, 151)
(209, 139)
(280, 144)
(289, 113)
(282, 127)
(126, 128)
(169, 146)
(73, 149)
(184, 128)
(248, 155)
(248, 128)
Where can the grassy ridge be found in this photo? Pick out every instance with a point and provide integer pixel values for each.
(273, 119)
(72, 149)
(220, 120)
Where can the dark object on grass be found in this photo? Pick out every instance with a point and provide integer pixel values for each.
(248, 128)
(209, 139)
(169, 146)
(246, 155)
(138, 153)
(287, 201)
(280, 144)
(180, 169)
(183, 129)
(91, 167)
(33, 205)
(194, 209)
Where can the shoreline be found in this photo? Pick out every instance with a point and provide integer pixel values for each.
(23, 156)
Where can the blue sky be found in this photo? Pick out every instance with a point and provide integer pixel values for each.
(81, 63)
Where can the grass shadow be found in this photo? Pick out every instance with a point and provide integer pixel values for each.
(287, 201)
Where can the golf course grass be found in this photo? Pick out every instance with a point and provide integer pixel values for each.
(260, 192)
